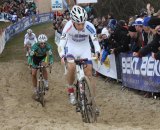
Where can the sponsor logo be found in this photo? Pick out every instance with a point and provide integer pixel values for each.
(79, 37)
(145, 67)
(90, 29)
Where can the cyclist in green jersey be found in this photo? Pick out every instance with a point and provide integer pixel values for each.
(40, 52)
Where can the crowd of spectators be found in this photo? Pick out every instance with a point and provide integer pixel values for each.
(16, 9)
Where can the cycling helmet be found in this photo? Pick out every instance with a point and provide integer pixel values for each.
(29, 31)
(78, 14)
(42, 38)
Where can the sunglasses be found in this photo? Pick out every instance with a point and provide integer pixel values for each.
(42, 43)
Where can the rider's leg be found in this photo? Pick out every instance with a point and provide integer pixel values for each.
(34, 79)
(88, 73)
(70, 76)
(45, 74)
(70, 79)
(28, 47)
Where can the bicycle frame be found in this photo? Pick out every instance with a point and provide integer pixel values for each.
(80, 72)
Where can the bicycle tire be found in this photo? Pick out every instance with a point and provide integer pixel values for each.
(89, 112)
(41, 92)
(79, 106)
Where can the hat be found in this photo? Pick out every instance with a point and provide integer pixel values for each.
(157, 14)
(105, 32)
(112, 24)
(138, 21)
(132, 29)
(145, 21)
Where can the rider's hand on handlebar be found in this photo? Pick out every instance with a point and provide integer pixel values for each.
(63, 59)
(44, 64)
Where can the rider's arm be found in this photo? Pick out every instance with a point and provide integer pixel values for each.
(63, 41)
(32, 52)
(50, 53)
(93, 35)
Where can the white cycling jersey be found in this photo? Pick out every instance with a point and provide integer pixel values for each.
(77, 42)
(30, 39)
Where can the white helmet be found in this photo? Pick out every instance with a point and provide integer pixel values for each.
(29, 31)
(42, 38)
(78, 14)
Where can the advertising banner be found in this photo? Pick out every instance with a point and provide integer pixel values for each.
(5, 17)
(57, 5)
(141, 73)
(23, 24)
(108, 68)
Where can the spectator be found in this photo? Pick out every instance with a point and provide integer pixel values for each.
(14, 18)
(121, 38)
(139, 28)
(157, 14)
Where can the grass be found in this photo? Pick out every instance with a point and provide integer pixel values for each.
(4, 24)
(14, 49)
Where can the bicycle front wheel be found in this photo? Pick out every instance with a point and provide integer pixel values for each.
(41, 92)
(89, 112)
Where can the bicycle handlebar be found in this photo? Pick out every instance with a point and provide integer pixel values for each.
(41, 66)
(81, 60)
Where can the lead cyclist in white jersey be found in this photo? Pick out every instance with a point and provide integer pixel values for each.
(75, 40)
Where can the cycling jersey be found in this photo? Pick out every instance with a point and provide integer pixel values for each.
(77, 42)
(39, 54)
(30, 39)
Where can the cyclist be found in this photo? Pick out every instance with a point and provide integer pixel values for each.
(29, 40)
(39, 52)
(75, 43)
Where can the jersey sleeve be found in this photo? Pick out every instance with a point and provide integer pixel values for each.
(92, 32)
(50, 53)
(63, 39)
(32, 52)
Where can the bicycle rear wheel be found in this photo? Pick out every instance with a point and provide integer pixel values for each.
(89, 112)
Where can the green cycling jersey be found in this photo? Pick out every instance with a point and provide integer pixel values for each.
(39, 54)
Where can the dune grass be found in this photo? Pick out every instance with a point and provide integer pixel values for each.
(14, 49)
(4, 24)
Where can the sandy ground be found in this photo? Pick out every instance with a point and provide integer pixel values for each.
(120, 110)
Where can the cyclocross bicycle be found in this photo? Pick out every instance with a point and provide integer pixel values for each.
(41, 86)
(84, 93)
